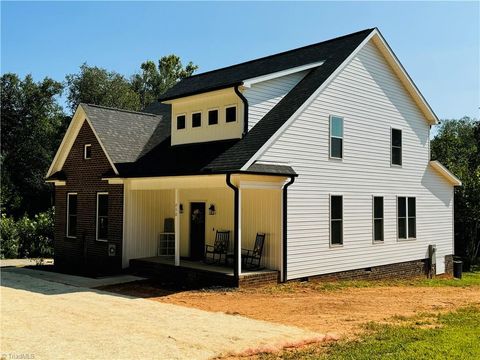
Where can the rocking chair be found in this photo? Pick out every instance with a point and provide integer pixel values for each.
(214, 253)
(251, 258)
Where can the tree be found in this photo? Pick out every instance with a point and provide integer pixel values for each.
(153, 81)
(457, 146)
(32, 125)
(94, 85)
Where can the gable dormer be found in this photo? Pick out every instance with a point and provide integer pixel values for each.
(211, 116)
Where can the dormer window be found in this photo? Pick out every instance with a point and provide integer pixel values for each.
(212, 117)
(87, 151)
(231, 114)
(180, 122)
(196, 120)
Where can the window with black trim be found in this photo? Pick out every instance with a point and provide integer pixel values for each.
(102, 216)
(212, 117)
(396, 147)
(87, 151)
(197, 119)
(378, 218)
(180, 122)
(336, 220)
(72, 215)
(336, 137)
(231, 114)
(406, 217)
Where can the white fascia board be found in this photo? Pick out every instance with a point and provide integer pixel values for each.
(442, 170)
(287, 123)
(249, 82)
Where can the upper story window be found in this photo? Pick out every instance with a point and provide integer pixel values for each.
(102, 216)
(72, 215)
(180, 122)
(406, 217)
(336, 137)
(87, 151)
(336, 220)
(377, 218)
(213, 117)
(396, 147)
(196, 119)
(231, 114)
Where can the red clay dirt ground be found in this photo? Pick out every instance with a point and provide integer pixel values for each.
(316, 306)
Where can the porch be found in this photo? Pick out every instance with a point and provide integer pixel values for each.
(190, 210)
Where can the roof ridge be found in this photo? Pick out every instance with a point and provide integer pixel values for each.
(282, 53)
(122, 110)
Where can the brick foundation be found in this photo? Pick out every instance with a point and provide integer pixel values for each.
(259, 279)
(449, 264)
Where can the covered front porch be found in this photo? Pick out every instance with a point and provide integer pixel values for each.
(168, 221)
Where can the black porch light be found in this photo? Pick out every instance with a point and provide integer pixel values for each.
(211, 209)
(180, 208)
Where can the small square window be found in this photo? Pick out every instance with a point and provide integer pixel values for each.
(231, 114)
(197, 120)
(213, 117)
(87, 151)
(180, 122)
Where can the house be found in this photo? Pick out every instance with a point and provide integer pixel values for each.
(324, 148)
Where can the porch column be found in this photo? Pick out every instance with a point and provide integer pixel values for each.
(177, 229)
(238, 251)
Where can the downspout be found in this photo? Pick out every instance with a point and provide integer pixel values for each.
(245, 109)
(284, 223)
(235, 226)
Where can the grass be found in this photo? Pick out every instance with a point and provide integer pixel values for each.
(454, 335)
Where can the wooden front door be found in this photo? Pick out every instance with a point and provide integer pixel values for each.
(197, 230)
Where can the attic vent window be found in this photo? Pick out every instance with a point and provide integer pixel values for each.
(231, 114)
(87, 151)
(180, 122)
(212, 117)
(197, 119)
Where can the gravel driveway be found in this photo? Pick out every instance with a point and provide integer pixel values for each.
(51, 320)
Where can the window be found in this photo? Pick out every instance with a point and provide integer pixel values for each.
(180, 122)
(377, 218)
(87, 151)
(396, 147)
(212, 117)
(336, 220)
(72, 215)
(197, 119)
(406, 218)
(102, 216)
(231, 114)
(336, 137)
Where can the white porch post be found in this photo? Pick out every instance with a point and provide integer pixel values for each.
(239, 242)
(177, 229)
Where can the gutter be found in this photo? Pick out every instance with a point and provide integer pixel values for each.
(284, 227)
(245, 109)
(235, 226)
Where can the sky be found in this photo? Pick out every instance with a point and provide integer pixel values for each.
(437, 42)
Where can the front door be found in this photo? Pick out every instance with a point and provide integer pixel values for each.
(197, 230)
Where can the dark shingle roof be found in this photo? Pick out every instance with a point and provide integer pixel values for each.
(128, 135)
(235, 74)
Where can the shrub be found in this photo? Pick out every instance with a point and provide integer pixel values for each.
(9, 235)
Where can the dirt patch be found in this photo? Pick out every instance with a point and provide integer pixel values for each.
(341, 312)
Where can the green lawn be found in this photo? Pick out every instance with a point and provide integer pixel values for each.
(454, 335)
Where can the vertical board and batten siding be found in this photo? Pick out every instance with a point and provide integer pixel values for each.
(370, 98)
(263, 96)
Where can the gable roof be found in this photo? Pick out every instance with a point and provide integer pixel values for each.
(236, 74)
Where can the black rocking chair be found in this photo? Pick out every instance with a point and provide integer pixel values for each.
(251, 258)
(219, 248)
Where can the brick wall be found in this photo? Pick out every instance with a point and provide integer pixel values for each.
(259, 279)
(85, 253)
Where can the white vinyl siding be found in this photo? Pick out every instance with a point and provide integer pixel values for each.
(369, 95)
(263, 96)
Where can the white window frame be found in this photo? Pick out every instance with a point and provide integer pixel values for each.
(201, 119)
(374, 218)
(208, 116)
(406, 218)
(176, 121)
(68, 215)
(330, 136)
(236, 113)
(85, 147)
(96, 217)
(330, 221)
(391, 147)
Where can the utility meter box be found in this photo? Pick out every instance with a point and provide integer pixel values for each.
(432, 254)
(112, 250)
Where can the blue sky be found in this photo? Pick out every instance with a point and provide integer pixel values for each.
(437, 42)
